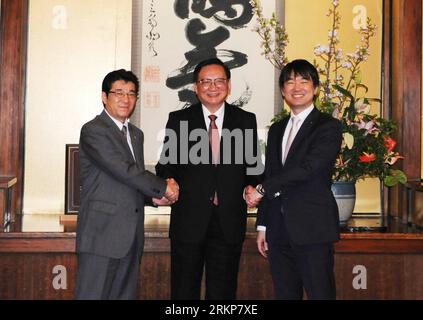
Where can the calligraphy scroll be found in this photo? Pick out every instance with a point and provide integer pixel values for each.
(177, 35)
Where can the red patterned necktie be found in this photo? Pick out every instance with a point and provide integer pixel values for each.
(215, 145)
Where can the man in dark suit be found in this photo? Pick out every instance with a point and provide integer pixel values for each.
(110, 229)
(208, 222)
(298, 218)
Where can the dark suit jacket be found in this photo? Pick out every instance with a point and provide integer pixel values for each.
(113, 189)
(191, 214)
(303, 185)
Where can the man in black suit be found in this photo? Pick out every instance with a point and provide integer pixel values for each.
(298, 218)
(110, 229)
(208, 222)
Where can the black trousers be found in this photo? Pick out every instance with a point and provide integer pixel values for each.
(219, 259)
(104, 278)
(297, 267)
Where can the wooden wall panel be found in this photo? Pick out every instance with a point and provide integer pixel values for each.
(14, 21)
(30, 276)
(405, 90)
(393, 268)
(389, 276)
(380, 271)
(155, 276)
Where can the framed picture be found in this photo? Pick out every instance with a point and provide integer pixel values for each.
(72, 181)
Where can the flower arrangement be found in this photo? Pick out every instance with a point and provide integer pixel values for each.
(367, 149)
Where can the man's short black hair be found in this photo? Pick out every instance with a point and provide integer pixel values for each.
(299, 67)
(122, 74)
(208, 62)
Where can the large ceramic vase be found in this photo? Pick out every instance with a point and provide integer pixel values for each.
(344, 193)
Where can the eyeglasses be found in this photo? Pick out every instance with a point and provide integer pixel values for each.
(218, 83)
(121, 94)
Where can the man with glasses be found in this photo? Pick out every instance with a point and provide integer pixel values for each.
(110, 229)
(208, 223)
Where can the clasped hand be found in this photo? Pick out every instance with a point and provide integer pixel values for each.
(252, 197)
(171, 195)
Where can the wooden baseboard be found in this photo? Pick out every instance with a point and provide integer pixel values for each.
(66, 218)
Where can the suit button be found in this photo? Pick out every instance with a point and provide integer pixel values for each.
(136, 210)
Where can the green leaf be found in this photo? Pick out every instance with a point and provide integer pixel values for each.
(345, 92)
(358, 78)
(402, 178)
(374, 99)
(395, 176)
(359, 85)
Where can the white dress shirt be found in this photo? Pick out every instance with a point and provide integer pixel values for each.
(220, 113)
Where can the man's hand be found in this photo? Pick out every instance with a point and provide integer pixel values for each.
(252, 197)
(161, 202)
(172, 190)
(261, 243)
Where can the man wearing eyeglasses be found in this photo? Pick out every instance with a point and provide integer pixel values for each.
(208, 223)
(115, 185)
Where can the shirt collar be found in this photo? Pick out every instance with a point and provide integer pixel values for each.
(117, 122)
(219, 113)
(303, 114)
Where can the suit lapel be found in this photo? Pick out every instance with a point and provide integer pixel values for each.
(136, 141)
(117, 134)
(230, 124)
(228, 119)
(196, 119)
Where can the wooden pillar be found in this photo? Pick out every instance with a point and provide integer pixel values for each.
(14, 23)
(405, 91)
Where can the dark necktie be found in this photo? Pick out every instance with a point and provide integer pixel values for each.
(125, 135)
(215, 146)
(124, 131)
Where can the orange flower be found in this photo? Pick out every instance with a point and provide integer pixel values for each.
(389, 143)
(366, 157)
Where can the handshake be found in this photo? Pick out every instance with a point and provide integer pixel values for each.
(171, 195)
(252, 196)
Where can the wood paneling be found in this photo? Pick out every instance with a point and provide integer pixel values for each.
(393, 263)
(14, 20)
(389, 276)
(30, 276)
(405, 33)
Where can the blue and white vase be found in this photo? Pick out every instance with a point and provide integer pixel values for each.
(344, 193)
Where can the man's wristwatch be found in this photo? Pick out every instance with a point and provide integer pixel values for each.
(260, 189)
